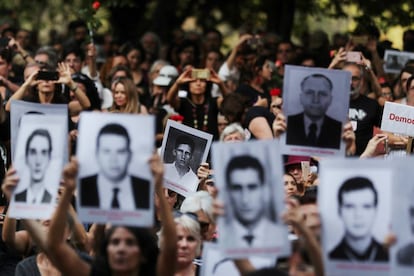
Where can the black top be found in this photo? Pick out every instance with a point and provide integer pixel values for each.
(258, 111)
(192, 112)
(366, 113)
(252, 95)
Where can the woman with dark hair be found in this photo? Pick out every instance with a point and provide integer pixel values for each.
(253, 78)
(135, 55)
(125, 250)
(257, 119)
(198, 108)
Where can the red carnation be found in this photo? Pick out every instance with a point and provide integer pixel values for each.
(177, 118)
(332, 53)
(96, 5)
(275, 92)
(278, 63)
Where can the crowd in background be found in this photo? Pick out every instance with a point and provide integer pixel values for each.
(238, 97)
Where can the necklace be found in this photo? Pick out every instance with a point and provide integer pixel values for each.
(204, 116)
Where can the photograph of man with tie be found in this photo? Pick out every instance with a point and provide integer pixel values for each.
(37, 155)
(113, 188)
(313, 127)
(247, 189)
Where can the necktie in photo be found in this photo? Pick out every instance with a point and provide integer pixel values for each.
(312, 134)
(249, 239)
(115, 202)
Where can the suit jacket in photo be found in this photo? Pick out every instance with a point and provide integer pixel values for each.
(89, 196)
(405, 255)
(329, 135)
(22, 197)
(374, 253)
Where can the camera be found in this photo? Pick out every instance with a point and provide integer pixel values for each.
(200, 74)
(47, 75)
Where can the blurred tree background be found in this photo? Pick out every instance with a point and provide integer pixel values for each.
(131, 18)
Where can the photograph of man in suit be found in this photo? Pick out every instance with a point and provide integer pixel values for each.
(113, 187)
(246, 186)
(358, 200)
(313, 127)
(405, 255)
(180, 170)
(37, 155)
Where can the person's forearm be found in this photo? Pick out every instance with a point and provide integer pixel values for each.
(9, 231)
(36, 233)
(80, 236)
(18, 95)
(377, 64)
(168, 256)
(172, 95)
(93, 72)
(244, 266)
(313, 248)
(232, 57)
(10, 85)
(58, 221)
(80, 95)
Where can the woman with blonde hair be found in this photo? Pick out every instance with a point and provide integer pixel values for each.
(125, 97)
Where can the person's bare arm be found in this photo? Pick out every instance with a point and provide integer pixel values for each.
(167, 258)
(61, 254)
(172, 94)
(260, 128)
(19, 94)
(244, 266)
(294, 217)
(232, 57)
(66, 78)
(18, 241)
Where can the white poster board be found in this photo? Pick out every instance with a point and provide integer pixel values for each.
(38, 163)
(183, 149)
(398, 118)
(114, 179)
(315, 103)
(18, 109)
(248, 176)
(354, 229)
(396, 60)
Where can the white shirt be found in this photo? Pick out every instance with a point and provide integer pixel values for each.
(125, 194)
(189, 180)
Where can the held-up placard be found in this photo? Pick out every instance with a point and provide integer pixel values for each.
(398, 118)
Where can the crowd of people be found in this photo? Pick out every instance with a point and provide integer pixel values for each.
(236, 97)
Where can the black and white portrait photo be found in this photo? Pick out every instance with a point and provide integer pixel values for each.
(396, 60)
(248, 176)
(402, 252)
(355, 206)
(183, 150)
(316, 105)
(38, 162)
(114, 173)
(19, 109)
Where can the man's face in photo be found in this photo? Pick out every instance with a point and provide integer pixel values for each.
(316, 97)
(183, 155)
(113, 156)
(246, 195)
(38, 157)
(358, 212)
